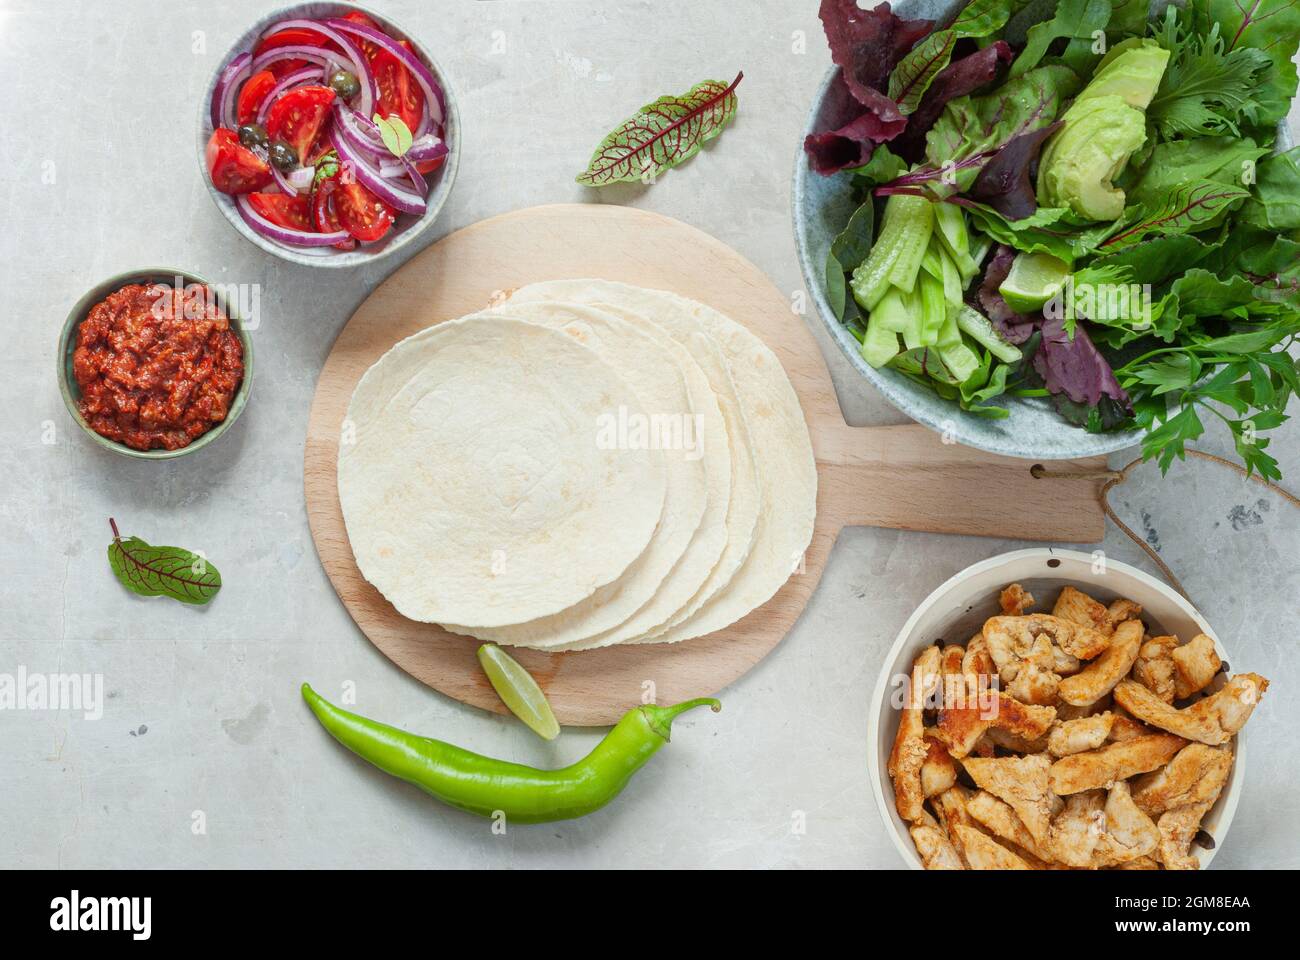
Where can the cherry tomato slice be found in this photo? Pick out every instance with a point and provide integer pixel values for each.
(399, 94)
(295, 37)
(360, 212)
(428, 166)
(298, 116)
(232, 166)
(251, 93)
(368, 49)
(323, 215)
(284, 210)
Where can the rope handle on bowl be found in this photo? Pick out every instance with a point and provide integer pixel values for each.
(1114, 478)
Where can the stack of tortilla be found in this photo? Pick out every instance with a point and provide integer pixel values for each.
(587, 464)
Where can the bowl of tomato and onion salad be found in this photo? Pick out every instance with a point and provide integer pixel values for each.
(408, 228)
(166, 276)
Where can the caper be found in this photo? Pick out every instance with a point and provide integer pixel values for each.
(283, 156)
(253, 135)
(344, 84)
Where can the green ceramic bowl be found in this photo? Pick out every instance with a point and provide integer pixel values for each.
(68, 343)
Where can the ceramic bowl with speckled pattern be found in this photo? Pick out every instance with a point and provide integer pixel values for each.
(409, 228)
(822, 206)
(169, 276)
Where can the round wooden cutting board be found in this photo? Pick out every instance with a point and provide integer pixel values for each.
(904, 477)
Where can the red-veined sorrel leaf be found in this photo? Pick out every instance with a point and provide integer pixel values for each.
(980, 18)
(1193, 206)
(916, 71)
(662, 134)
(162, 571)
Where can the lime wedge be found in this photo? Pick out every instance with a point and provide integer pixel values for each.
(518, 691)
(1034, 279)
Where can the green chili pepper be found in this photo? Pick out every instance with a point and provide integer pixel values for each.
(489, 787)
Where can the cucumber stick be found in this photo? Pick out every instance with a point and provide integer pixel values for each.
(896, 256)
(933, 304)
(916, 215)
(886, 322)
(977, 326)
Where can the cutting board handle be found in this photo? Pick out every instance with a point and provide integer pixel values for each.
(911, 478)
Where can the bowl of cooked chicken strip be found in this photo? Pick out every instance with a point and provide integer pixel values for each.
(1048, 709)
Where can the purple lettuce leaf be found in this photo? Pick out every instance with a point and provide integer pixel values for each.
(959, 79)
(1007, 181)
(1073, 366)
(1014, 327)
(867, 44)
(851, 133)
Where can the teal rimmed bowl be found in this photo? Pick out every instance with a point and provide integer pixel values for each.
(68, 343)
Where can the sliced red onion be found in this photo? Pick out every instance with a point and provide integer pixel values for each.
(283, 85)
(301, 178)
(435, 105)
(360, 67)
(317, 55)
(282, 181)
(353, 128)
(296, 181)
(427, 147)
(223, 97)
(416, 177)
(285, 235)
(368, 176)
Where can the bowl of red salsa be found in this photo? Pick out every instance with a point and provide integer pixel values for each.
(154, 364)
(328, 136)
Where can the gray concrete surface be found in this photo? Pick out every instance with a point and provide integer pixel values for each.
(205, 756)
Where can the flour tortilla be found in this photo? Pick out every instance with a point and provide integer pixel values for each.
(651, 363)
(474, 490)
(694, 585)
(781, 448)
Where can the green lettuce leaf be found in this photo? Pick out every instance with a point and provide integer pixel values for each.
(1077, 20)
(1208, 87)
(1272, 26)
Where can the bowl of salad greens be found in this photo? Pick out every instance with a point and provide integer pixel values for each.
(1058, 228)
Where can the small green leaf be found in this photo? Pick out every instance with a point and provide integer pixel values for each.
(662, 134)
(395, 134)
(151, 571)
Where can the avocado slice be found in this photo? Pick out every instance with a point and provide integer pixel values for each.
(1102, 129)
(1084, 156)
(1132, 69)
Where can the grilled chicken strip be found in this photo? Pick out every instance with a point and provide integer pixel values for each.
(933, 845)
(1187, 779)
(1011, 638)
(1130, 832)
(1116, 761)
(1023, 783)
(910, 746)
(1154, 668)
(1099, 677)
(962, 728)
(1212, 720)
(1015, 600)
(1195, 664)
(938, 772)
(996, 816)
(1076, 736)
(985, 853)
(1178, 826)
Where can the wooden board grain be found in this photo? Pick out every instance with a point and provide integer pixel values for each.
(904, 477)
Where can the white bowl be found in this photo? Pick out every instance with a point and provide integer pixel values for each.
(956, 610)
